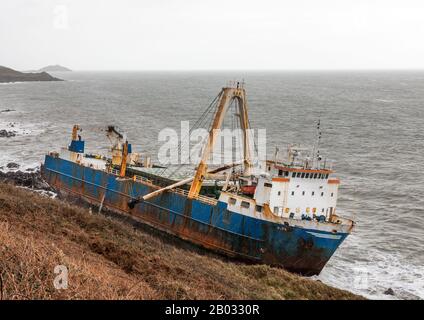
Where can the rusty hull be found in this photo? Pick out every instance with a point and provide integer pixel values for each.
(210, 226)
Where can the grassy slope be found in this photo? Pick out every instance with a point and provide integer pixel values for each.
(108, 259)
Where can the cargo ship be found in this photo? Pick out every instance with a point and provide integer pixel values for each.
(280, 213)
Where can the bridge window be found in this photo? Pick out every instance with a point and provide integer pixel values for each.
(307, 176)
(294, 175)
(303, 174)
(232, 201)
(245, 204)
(315, 175)
(299, 174)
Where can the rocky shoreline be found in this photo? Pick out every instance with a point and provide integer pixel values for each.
(28, 179)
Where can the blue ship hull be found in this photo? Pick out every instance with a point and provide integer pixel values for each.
(297, 249)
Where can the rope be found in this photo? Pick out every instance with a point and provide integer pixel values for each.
(201, 122)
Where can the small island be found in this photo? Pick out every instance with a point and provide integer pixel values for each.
(10, 75)
(54, 68)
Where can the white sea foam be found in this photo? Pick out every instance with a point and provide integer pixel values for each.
(44, 193)
(24, 167)
(21, 129)
(11, 83)
(14, 152)
(384, 100)
(373, 276)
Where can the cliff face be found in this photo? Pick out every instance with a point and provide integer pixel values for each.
(10, 75)
(110, 259)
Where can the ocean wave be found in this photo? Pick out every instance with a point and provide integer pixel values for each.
(374, 274)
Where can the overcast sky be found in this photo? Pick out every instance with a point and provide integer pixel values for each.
(212, 34)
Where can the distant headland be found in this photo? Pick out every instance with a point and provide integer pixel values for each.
(10, 75)
(54, 68)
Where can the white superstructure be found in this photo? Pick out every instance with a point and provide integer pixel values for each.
(299, 189)
(297, 192)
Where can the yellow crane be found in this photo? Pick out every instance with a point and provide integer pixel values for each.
(227, 96)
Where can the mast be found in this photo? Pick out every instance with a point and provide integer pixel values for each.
(124, 160)
(77, 145)
(227, 96)
(75, 130)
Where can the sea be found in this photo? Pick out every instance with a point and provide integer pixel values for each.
(371, 125)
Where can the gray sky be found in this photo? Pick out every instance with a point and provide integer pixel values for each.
(212, 34)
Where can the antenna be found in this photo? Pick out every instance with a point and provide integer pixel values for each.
(277, 151)
(319, 133)
(315, 155)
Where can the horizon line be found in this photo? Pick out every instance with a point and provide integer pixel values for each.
(245, 70)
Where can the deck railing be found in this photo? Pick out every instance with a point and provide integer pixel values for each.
(142, 179)
(135, 177)
(199, 197)
(176, 190)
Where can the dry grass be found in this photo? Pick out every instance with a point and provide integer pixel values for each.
(109, 259)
